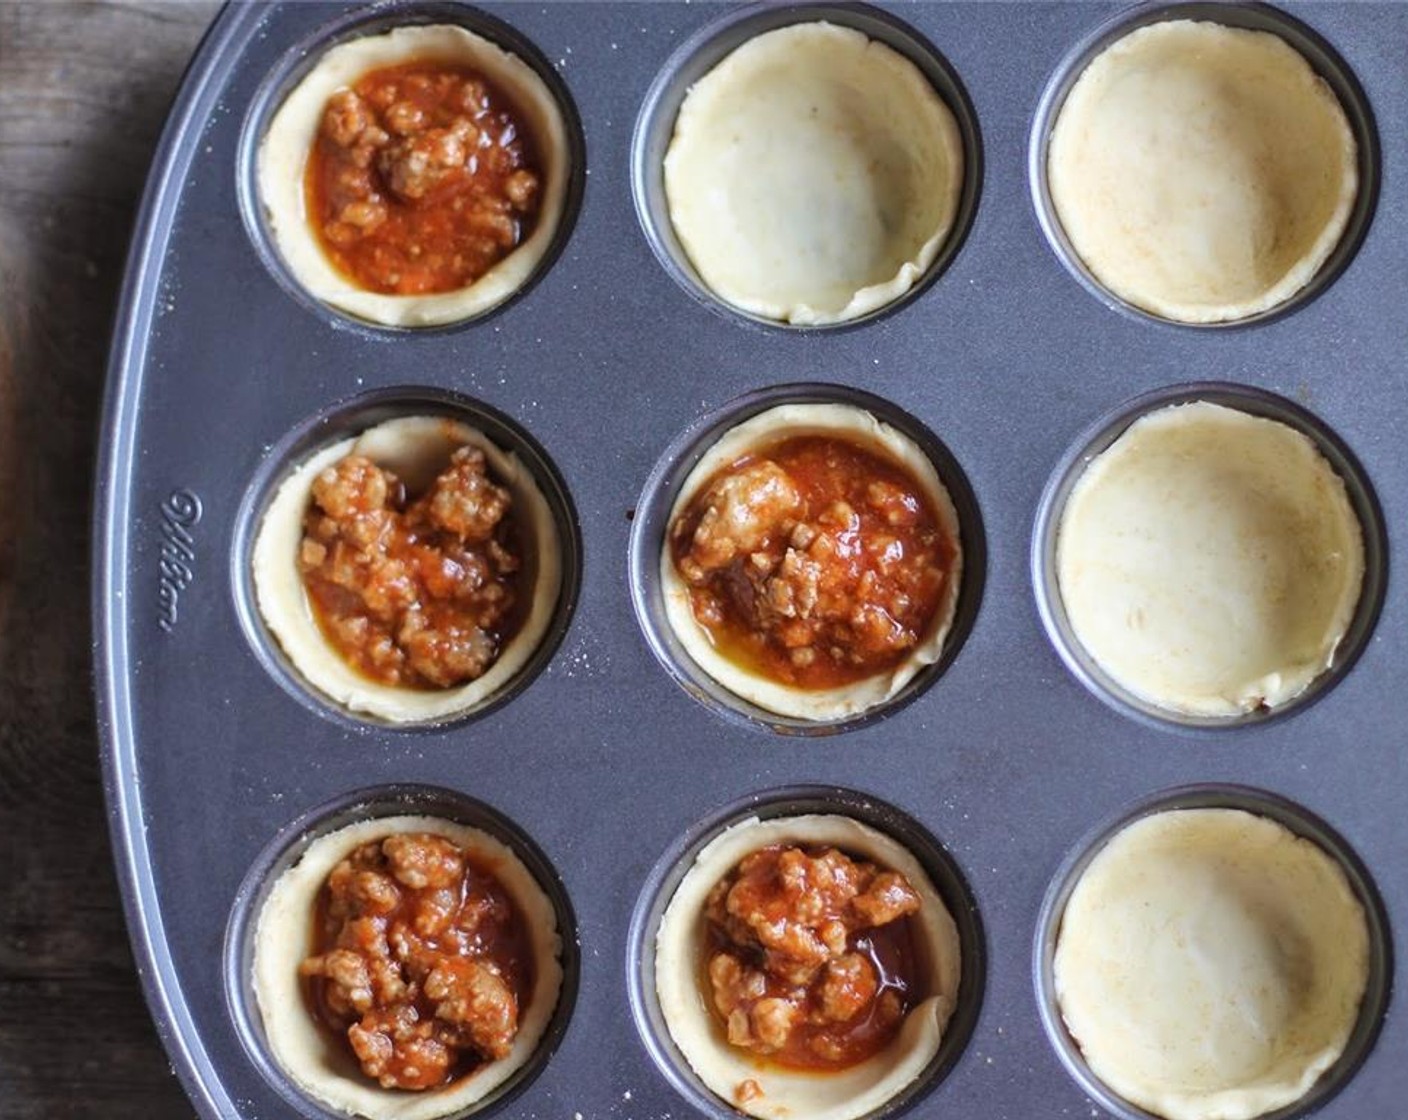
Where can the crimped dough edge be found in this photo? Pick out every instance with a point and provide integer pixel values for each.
(820, 705)
(284, 150)
(283, 936)
(417, 448)
(789, 1094)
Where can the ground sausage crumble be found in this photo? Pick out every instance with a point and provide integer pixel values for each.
(421, 179)
(420, 594)
(422, 961)
(815, 561)
(810, 960)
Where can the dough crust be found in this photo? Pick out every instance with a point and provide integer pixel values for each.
(1211, 964)
(416, 448)
(284, 935)
(1210, 561)
(1203, 173)
(814, 175)
(789, 1094)
(861, 427)
(283, 155)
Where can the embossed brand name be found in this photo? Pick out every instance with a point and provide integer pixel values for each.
(179, 513)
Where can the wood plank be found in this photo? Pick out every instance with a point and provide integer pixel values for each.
(84, 88)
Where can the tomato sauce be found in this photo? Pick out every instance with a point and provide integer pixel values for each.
(869, 566)
(471, 916)
(422, 177)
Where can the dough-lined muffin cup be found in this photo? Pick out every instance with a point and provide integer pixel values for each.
(850, 187)
(1209, 556)
(841, 1095)
(323, 1066)
(668, 981)
(1213, 952)
(416, 449)
(1210, 561)
(271, 930)
(284, 149)
(853, 424)
(769, 230)
(1259, 190)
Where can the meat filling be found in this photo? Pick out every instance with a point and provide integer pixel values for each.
(815, 561)
(421, 179)
(422, 961)
(419, 594)
(811, 961)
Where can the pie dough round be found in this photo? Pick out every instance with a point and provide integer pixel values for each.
(814, 175)
(1211, 964)
(858, 426)
(283, 156)
(1210, 561)
(787, 1094)
(416, 449)
(328, 1071)
(1202, 172)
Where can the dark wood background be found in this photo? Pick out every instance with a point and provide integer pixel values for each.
(84, 88)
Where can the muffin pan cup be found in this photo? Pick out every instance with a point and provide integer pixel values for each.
(708, 47)
(1098, 438)
(1297, 820)
(288, 847)
(660, 886)
(296, 63)
(650, 524)
(349, 419)
(220, 375)
(1323, 59)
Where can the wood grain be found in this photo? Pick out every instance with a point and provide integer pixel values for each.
(84, 88)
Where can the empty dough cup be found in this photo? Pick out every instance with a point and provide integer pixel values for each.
(1216, 953)
(1204, 164)
(806, 166)
(1208, 556)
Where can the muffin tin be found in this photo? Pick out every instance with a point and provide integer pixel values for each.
(608, 373)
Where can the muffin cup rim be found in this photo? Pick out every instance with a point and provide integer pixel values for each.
(1278, 808)
(1324, 60)
(1094, 439)
(776, 802)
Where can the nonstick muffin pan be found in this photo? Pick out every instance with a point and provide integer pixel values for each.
(607, 765)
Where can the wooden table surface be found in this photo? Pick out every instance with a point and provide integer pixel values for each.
(84, 88)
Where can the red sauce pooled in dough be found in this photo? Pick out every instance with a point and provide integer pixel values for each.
(421, 961)
(811, 958)
(814, 561)
(421, 179)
